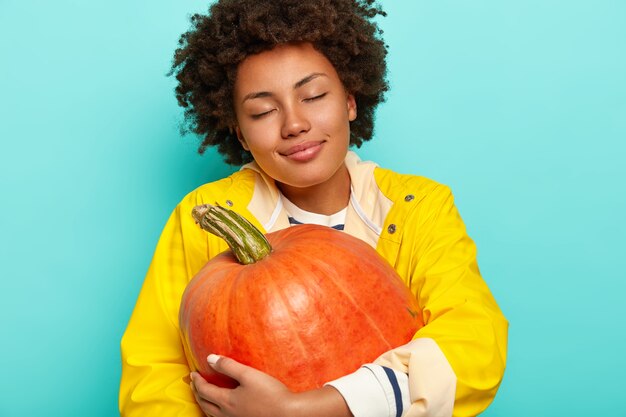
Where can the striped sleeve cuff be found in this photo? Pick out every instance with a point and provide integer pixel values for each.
(374, 391)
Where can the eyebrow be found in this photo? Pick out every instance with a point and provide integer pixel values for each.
(305, 80)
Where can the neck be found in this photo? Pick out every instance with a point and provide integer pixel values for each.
(326, 198)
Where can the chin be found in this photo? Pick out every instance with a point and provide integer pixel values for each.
(305, 182)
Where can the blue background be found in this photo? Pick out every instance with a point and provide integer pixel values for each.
(519, 106)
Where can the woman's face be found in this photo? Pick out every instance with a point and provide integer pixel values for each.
(293, 114)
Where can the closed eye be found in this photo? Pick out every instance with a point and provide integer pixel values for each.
(315, 97)
(260, 115)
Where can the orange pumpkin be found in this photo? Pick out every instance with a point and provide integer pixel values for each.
(312, 303)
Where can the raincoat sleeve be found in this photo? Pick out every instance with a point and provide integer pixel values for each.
(456, 361)
(155, 371)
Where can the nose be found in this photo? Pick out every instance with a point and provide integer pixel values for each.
(295, 123)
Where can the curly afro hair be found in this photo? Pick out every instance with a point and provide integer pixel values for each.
(208, 55)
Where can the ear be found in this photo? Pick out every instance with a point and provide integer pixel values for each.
(241, 139)
(351, 107)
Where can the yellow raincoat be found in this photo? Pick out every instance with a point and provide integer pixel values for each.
(410, 220)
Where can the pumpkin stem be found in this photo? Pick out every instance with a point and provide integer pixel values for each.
(246, 241)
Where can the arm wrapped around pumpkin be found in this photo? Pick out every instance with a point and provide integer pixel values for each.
(457, 360)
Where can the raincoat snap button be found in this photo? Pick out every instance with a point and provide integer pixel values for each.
(229, 203)
(409, 197)
(391, 228)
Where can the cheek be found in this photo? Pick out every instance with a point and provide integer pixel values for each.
(332, 119)
(260, 149)
(257, 138)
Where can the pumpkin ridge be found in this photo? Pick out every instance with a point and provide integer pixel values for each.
(294, 328)
(239, 276)
(261, 359)
(331, 273)
(221, 325)
(413, 307)
(343, 249)
(195, 290)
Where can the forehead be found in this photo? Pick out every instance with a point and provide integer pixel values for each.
(281, 67)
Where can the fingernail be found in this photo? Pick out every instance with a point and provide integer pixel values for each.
(212, 359)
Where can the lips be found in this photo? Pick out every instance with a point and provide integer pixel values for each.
(301, 147)
(304, 152)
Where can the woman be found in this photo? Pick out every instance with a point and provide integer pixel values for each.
(288, 86)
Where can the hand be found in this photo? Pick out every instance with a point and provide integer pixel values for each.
(261, 395)
(258, 394)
